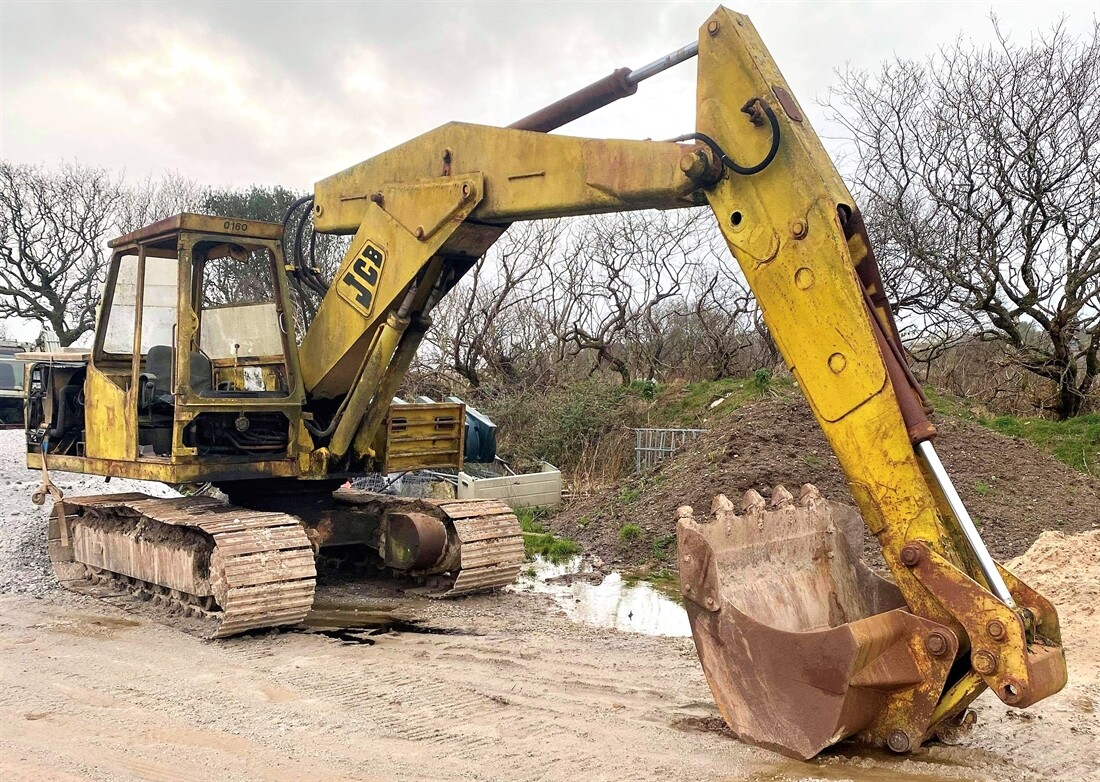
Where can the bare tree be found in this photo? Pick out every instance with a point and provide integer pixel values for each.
(155, 199)
(723, 314)
(53, 228)
(487, 324)
(620, 281)
(979, 171)
(653, 295)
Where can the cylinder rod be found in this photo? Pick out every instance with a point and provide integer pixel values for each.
(609, 89)
(985, 562)
(663, 64)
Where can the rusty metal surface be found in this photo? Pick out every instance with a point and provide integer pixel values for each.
(801, 644)
(584, 101)
(207, 224)
(193, 562)
(787, 101)
(413, 540)
(1017, 654)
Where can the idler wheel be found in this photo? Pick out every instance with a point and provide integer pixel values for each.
(414, 541)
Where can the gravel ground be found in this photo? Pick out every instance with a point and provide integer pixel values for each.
(24, 563)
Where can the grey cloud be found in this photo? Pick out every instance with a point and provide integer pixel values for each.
(241, 92)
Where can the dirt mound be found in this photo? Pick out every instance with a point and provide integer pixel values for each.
(1014, 490)
(1065, 569)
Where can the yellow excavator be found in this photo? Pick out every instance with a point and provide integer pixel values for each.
(191, 380)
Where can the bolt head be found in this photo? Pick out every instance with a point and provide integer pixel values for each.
(687, 558)
(691, 165)
(898, 741)
(419, 232)
(467, 191)
(984, 662)
(798, 229)
(936, 643)
(910, 555)
(996, 630)
(713, 27)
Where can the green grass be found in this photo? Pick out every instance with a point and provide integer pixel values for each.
(689, 404)
(661, 546)
(664, 580)
(538, 542)
(629, 494)
(629, 532)
(549, 546)
(530, 519)
(945, 404)
(762, 382)
(646, 389)
(982, 488)
(1075, 442)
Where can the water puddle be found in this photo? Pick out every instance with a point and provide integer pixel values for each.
(352, 623)
(607, 600)
(93, 626)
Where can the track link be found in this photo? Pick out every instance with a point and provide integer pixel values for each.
(208, 568)
(491, 552)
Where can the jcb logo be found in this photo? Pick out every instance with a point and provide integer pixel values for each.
(360, 281)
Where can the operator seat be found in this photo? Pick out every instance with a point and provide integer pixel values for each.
(159, 364)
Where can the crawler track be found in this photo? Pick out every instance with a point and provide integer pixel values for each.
(209, 568)
(485, 543)
(216, 570)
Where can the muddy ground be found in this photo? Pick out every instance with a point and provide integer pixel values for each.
(1013, 490)
(497, 687)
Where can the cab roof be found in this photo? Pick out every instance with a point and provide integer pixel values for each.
(168, 228)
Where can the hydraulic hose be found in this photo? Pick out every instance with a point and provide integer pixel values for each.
(727, 161)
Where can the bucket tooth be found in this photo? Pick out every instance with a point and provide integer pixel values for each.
(721, 502)
(752, 499)
(809, 495)
(781, 498)
(802, 645)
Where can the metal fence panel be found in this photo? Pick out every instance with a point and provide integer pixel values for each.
(653, 446)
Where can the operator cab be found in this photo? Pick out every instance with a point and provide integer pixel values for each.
(194, 353)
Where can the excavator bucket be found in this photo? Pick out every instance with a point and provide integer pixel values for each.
(801, 643)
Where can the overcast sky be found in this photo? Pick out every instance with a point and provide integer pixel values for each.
(231, 93)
